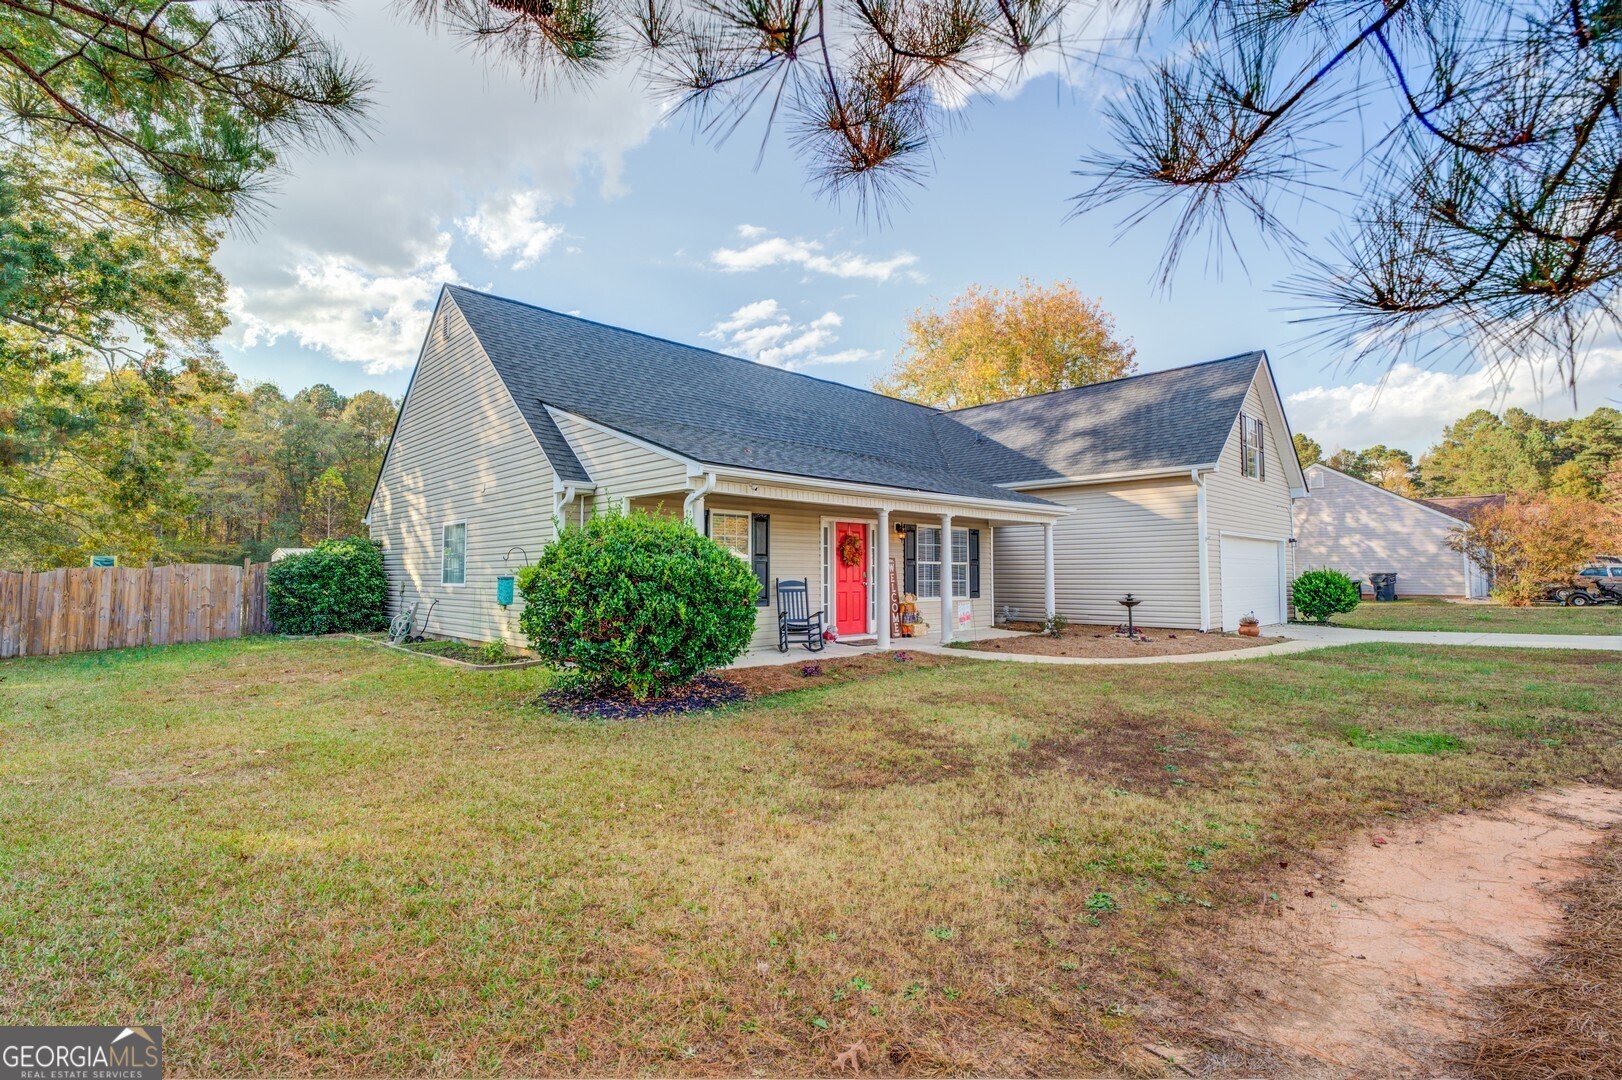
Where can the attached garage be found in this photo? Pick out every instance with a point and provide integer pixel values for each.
(1252, 580)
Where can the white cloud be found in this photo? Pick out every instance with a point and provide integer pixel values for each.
(763, 331)
(512, 226)
(769, 251)
(452, 138)
(1411, 405)
(351, 311)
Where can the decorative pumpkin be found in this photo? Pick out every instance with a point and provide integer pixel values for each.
(850, 550)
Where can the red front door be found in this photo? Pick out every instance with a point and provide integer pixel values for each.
(850, 582)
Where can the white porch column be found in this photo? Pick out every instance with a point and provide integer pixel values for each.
(946, 579)
(882, 552)
(1048, 603)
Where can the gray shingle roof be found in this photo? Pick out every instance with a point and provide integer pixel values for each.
(715, 409)
(1169, 419)
(556, 446)
(722, 410)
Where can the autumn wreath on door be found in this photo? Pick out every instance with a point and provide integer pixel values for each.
(850, 549)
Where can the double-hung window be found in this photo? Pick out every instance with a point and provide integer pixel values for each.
(929, 563)
(453, 554)
(931, 557)
(1252, 461)
(731, 531)
(960, 563)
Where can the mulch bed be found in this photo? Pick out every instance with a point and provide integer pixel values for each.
(704, 693)
(1102, 642)
(718, 691)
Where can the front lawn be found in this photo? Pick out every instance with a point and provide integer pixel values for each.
(324, 857)
(1481, 618)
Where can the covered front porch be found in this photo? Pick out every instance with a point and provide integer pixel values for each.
(885, 567)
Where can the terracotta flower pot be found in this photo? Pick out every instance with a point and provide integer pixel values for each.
(1250, 630)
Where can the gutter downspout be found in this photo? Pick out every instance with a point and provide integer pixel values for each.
(562, 495)
(1205, 550)
(693, 504)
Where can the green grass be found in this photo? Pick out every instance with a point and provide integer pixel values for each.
(1405, 742)
(1481, 618)
(324, 857)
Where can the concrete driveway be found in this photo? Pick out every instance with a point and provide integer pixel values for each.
(1343, 635)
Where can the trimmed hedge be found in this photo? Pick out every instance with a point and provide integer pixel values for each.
(338, 587)
(637, 603)
(1318, 594)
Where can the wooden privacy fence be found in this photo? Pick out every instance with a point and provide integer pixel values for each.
(83, 609)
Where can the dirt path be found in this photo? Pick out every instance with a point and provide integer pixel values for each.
(1373, 974)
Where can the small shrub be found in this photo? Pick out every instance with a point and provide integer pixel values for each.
(1053, 625)
(1319, 594)
(338, 587)
(637, 603)
(493, 652)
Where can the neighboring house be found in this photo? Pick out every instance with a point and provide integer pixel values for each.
(281, 553)
(1362, 529)
(517, 417)
(1181, 482)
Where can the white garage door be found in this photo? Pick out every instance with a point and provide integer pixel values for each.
(1251, 581)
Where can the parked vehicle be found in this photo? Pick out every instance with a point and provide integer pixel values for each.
(1606, 590)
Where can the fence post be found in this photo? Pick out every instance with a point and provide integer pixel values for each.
(25, 621)
(146, 602)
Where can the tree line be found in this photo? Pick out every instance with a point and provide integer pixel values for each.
(247, 470)
(1487, 453)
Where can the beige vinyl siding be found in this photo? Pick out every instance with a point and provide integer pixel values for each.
(1135, 537)
(1239, 505)
(1361, 530)
(622, 470)
(796, 553)
(462, 453)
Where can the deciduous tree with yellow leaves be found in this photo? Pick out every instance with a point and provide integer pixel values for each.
(992, 345)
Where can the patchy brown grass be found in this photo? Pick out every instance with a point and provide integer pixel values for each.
(1102, 642)
(1566, 1020)
(807, 671)
(322, 857)
(1125, 750)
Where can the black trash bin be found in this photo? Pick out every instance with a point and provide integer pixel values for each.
(1385, 586)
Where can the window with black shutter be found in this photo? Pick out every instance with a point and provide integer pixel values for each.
(761, 555)
(974, 564)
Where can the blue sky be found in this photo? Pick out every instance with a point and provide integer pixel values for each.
(590, 201)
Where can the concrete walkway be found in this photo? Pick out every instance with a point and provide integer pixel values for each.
(796, 654)
(1299, 638)
(1344, 635)
(1255, 652)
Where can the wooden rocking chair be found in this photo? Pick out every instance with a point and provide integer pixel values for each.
(794, 620)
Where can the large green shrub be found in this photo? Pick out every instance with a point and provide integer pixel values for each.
(340, 586)
(638, 603)
(1318, 594)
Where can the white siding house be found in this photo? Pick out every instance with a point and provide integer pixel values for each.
(520, 421)
(462, 466)
(1248, 516)
(1181, 482)
(1174, 486)
(1361, 529)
